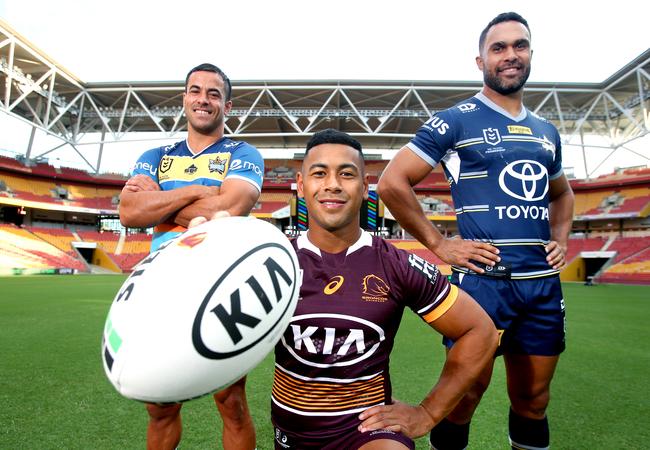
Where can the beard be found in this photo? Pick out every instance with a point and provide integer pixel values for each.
(495, 83)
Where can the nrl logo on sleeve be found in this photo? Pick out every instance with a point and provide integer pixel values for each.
(491, 136)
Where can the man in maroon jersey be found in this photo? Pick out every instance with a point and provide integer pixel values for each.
(331, 387)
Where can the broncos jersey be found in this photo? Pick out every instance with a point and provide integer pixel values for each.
(175, 166)
(498, 167)
(332, 361)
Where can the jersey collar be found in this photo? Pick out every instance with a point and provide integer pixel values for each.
(365, 240)
(187, 144)
(490, 104)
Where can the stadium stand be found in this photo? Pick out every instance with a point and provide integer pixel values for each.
(59, 237)
(20, 249)
(611, 213)
(577, 245)
(628, 246)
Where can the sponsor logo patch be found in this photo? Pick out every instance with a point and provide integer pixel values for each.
(191, 170)
(467, 107)
(524, 180)
(335, 283)
(518, 129)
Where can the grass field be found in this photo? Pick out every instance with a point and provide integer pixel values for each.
(53, 392)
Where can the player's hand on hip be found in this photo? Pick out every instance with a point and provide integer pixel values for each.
(555, 255)
(139, 183)
(462, 252)
(200, 219)
(411, 421)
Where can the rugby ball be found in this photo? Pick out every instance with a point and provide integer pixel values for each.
(200, 313)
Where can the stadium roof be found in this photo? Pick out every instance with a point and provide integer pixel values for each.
(279, 114)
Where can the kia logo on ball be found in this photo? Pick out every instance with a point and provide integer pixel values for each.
(524, 180)
(255, 291)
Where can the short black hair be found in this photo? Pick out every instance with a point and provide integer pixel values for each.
(332, 136)
(503, 17)
(207, 67)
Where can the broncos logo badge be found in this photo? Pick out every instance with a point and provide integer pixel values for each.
(375, 286)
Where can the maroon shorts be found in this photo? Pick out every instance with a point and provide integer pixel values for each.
(350, 440)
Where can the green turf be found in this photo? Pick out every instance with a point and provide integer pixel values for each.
(53, 392)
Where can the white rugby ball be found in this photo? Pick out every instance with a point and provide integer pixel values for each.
(203, 311)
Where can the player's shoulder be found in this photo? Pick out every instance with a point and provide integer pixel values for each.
(462, 111)
(387, 251)
(236, 146)
(164, 149)
(548, 129)
(540, 120)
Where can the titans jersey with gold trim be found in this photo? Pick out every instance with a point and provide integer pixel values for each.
(498, 167)
(174, 166)
(332, 361)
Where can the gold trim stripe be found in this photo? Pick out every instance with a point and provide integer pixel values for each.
(444, 306)
(324, 396)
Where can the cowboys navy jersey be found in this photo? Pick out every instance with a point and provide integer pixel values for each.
(332, 360)
(498, 167)
(174, 166)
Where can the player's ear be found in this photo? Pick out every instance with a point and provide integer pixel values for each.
(299, 183)
(227, 107)
(479, 63)
(366, 184)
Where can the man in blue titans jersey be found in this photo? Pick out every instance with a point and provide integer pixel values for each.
(331, 387)
(170, 186)
(514, 208)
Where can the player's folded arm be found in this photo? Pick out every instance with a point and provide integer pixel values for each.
(148, 208)
(236, 196)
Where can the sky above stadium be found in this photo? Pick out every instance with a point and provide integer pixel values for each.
(339, 39)
(300, 40)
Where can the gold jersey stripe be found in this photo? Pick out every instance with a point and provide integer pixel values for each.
(306, 391)
(328, 404)
(338, 388)
(444, 306)
(330, 396)
(327, 385)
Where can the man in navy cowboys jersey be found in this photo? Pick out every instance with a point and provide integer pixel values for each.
(514, 208)
(170, 186)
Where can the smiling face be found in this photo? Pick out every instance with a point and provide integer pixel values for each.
(505, 57)
(334, 185)
(205, 103)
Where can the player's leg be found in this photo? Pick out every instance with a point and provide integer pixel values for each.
(373, 440)
(529, 388)
(238, 428)
(537, 341)
(452, 433)
(384, 444)
(164, 430)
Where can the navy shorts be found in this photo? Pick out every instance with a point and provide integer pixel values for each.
(351, 440)
(529, 314)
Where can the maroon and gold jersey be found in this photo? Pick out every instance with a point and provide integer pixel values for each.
(332, 361)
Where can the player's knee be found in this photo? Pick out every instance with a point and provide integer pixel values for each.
(232, 406)
(163, 412)
(531, 403)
